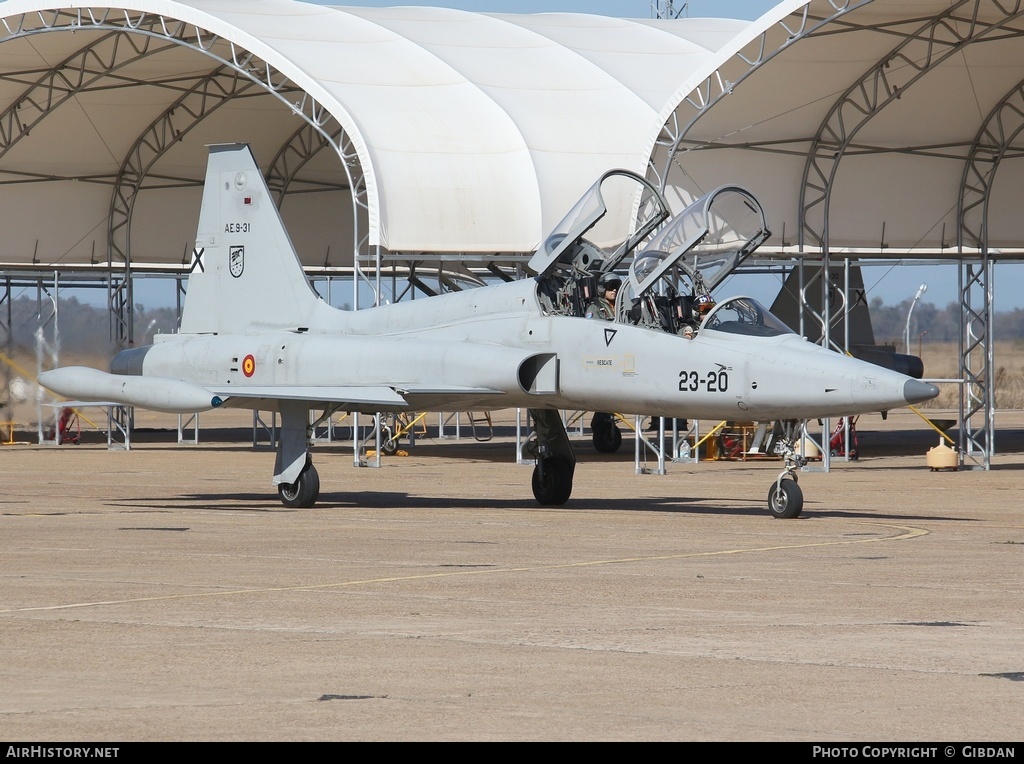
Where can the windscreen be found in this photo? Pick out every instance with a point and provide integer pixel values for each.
(744, 315)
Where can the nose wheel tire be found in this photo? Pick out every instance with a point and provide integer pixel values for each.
(552, 481)
(785, 499)
(303, 492)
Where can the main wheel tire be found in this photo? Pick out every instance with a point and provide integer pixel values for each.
(552, 481)
(607, 439)
(303, 492)
(785, 500)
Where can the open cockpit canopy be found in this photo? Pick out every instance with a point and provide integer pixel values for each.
(706, 241)
(673, 269)
(604, 246)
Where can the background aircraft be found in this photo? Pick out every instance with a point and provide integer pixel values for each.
(255, 335)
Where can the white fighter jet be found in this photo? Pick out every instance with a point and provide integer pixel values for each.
(255, 335)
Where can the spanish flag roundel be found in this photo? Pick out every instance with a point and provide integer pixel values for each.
(248, 365)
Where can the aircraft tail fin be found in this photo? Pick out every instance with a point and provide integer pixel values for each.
(245, 274)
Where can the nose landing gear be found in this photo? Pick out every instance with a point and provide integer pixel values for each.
(556, 463)
(785, 498)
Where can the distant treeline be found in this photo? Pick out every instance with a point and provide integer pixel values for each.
(84, 328)
(81, 328)
(941, 324)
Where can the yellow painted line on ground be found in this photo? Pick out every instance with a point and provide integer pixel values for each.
(905, 532)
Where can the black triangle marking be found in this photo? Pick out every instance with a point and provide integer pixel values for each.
(609, 335)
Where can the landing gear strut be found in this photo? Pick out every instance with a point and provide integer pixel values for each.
(785, 498)
(556, 463)
(298, 483)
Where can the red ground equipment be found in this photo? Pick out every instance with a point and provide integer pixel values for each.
(837, 443)
(68, 426)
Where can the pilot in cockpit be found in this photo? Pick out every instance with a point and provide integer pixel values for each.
(607, 292)
(702, 305)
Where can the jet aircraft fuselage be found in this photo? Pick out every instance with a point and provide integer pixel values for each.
(494, 348)
(255, 335)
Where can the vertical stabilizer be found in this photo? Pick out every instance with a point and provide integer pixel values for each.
(245, 274)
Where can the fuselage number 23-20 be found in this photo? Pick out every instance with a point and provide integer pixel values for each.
(715, 381)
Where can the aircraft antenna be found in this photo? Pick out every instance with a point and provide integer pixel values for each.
(665, 9)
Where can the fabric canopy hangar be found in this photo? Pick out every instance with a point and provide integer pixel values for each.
(865, 127)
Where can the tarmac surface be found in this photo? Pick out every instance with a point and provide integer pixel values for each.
(164, 593)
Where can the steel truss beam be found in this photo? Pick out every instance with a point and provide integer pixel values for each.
(77, 73)
(993, 144)
(920, 51)
(205, 96)
(302, 146)
(977, 394)
(673, 140)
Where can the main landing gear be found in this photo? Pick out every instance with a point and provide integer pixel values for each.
(606, 433)
(785, 498)
(556, 463)
(297, 481)
(304, 491)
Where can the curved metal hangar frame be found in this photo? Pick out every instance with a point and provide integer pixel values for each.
(875, 129)
(457, 133)
(105, 116)
(425, 135)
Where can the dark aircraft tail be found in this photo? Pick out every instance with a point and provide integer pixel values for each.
(862, 336)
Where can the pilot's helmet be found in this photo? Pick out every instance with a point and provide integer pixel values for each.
(704, 304)
(609, 281)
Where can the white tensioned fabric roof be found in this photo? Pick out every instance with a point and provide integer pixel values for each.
(472, 133)
(904, 110)
(870, 122)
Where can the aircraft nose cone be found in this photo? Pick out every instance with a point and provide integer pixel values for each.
(916, 391)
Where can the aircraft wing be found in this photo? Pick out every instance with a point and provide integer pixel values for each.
(357, 396)
(450, 390)
(386, 398)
